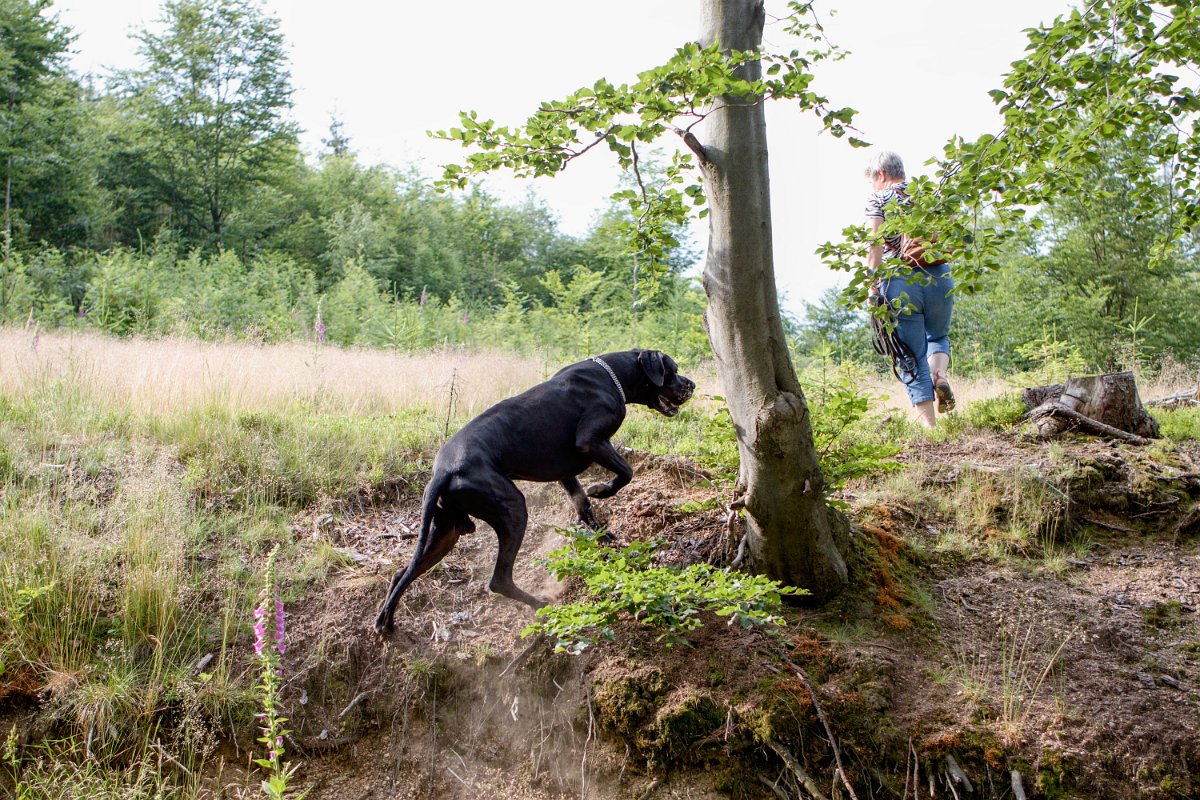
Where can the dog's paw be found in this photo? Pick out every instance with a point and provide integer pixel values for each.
(383, 625)
(601, 491)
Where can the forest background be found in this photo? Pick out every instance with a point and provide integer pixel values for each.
(175, 198)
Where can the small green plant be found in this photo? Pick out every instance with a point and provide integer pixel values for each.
(13, 762)
(848, 446)
(718, 442)
(623, 583)
(1053, 360)
(1179, 424)
(270, 685)
(1021, 677)
(996, 413)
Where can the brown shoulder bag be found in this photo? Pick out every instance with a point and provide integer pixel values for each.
(912, 251)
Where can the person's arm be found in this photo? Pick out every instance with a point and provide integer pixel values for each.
(875, 254)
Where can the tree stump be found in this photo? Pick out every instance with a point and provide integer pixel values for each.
(1106, 404)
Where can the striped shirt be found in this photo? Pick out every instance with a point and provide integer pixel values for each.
(876, 204)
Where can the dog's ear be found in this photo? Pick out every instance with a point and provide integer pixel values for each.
(652, 364)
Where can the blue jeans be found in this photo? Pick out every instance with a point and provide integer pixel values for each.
(926, 328)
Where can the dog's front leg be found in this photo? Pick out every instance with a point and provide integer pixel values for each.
(579, 499)
(583, 507)
(604, 454)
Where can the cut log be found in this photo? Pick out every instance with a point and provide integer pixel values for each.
(1179, 400)
(1098, 403)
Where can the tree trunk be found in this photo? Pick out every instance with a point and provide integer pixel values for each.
(1110, 399)
(8, 167)
(8, 210)
(793, 535)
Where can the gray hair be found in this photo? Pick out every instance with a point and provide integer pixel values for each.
(888, 163)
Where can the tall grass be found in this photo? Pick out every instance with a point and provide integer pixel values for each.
(142, 483)
(164, 377)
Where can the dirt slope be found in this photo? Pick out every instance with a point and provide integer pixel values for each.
(1072, 658)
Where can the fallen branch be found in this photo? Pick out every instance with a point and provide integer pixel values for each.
(1055, 410)
(1018, 789)
(797, 769)
(1189, 398)
(957, 774)
(837, 754)
(524, 654)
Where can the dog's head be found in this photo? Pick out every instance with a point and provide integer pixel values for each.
(666, 389)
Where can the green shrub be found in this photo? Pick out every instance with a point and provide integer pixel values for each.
(1179, 424)
(623, 583)
(996, 413)
(849, 440)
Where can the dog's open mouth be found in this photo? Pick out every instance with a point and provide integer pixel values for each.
(666, 407)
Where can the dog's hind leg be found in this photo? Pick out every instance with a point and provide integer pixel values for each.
(505, 511)
(443, 536)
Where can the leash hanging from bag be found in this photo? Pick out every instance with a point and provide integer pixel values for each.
(889, 344)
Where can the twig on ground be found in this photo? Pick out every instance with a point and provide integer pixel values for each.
(523, 655)
(837, 754)
(583, 781)
(797, 769)
(162, 752)
(1018, 789)
(649, 790)
(358, 699)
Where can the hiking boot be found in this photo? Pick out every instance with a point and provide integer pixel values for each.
(944, 395)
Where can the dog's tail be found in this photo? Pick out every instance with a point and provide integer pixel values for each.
(433, 493)
(400, 582)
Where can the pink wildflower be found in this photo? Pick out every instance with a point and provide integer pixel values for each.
(260, 628)
(319, 327)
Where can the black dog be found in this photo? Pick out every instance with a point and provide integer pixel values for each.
(552, 432)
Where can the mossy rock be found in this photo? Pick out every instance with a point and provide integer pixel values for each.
(678, 727)
(623, 705)
(1054, 775)
(782, 712)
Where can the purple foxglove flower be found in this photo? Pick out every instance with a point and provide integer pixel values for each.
(260, 636)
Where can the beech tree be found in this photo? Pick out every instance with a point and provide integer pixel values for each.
(711, 94)
(32, 52)
(213, 96)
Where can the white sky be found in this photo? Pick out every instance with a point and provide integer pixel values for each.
(392, 71)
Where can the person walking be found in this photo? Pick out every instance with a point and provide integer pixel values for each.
(925, 325)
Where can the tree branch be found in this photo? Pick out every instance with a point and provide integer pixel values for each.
(693, 144)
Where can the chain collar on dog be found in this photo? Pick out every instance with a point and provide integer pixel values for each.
(611, 374)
